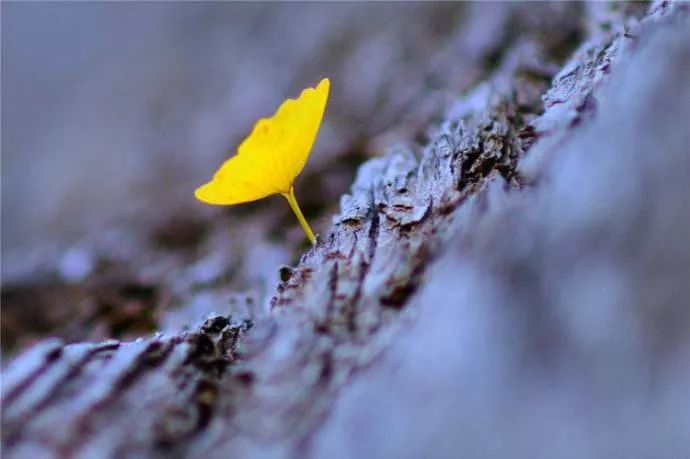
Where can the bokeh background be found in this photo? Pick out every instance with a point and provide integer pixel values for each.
(111, 108)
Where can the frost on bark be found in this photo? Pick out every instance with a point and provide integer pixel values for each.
(515, 287)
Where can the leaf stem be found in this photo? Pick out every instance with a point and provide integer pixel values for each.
(298, 213)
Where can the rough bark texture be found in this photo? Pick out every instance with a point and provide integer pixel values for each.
(517, 287)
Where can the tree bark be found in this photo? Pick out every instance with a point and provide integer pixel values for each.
(507, 290)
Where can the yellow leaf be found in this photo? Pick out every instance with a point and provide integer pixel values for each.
(268, 161)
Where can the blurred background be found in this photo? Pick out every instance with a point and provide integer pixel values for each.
(134, 105)
(112, 114)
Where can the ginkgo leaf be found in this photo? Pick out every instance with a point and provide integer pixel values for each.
(268, 161)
